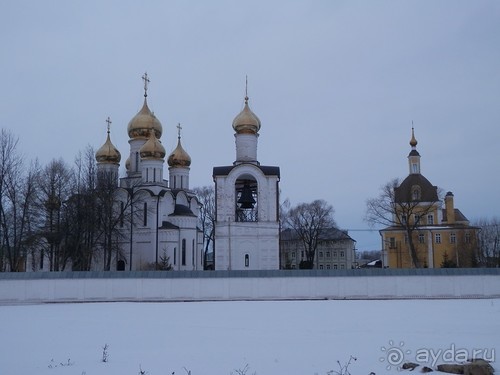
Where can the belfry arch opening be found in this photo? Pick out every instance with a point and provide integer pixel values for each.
(246, 199)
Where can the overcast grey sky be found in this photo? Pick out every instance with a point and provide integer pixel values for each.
(336, 85)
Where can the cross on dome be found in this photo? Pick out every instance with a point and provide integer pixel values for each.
(146, 81)
(179, 128)
(108, 121)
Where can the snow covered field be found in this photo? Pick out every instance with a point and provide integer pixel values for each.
(273, 338)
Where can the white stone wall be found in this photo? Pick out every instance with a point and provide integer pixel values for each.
(31, 290)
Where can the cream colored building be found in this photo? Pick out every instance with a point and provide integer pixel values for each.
(442, 236)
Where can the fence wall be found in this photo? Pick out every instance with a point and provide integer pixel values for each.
(248, 285)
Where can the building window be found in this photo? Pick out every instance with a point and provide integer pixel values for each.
(453, 238)
(392, 243)
(175, 256)
(342, 266)
(342, 254)
(328, 254)
(334, 254)
(145, 215)
(193, 253)
(320, 266)
(416, 217)
(321, 254)
(302, 254)
(403, 219)
(467, 237)
(414, 167)
(438, 238)
(406, 238)
(430, 219)
(183, 253)
(421, 238)
(416, 193)
(328, 267)
(334, 266)
(136, 161)
(247, 260)
(122, 209)
(293, 254)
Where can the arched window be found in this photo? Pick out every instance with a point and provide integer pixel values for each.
(247, 260)
(246, 199)
(415, 193)
(136, 161)
(145, 215)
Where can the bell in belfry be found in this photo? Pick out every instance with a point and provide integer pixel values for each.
(246, 200)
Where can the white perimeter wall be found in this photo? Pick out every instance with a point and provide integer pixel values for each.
(40, 290)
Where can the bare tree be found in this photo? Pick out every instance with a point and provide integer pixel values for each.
(18, 192)
(404, 212)
(488, 242)
(206, 196)
(310, 220)
(55, 187)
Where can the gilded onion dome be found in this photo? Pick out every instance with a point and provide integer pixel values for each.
(142, 122)
(413, 141)
(108, 153)
(246, 122)
(179, 157)
(152, 149)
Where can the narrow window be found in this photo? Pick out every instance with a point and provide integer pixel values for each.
(175, 182)
(175, 255)
(321, 254)
(342, 266)
(328, 267)
(342, 254)
(406, 238)
(320, 266)
(136, 161)
(416, 217)
(293, 255)
(467, 237)
(334, 254)
(403, 219)
(392, 243)
(430, 219)
(122, 209)
(421, 238)
(192, 260)
(247, 260)
(438, 238)
(334, 266)
(453, 238)
(145, 215)
(154, 174)
(147, 174)
(302, 254)
(328, 254)
(183, 254)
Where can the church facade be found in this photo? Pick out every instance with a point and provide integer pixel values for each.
(423, 233)
(247, 204)
(158, 221)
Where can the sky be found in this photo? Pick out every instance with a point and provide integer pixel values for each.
(272, 337)
(337, 86)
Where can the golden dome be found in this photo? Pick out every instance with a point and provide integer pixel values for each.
(413, 141)
(142, 122)
(246, 122)
(108, 153)
(179, 157)
(152, 149)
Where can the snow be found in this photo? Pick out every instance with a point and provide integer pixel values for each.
(272, 337)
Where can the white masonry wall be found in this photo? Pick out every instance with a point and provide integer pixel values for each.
(223, 287)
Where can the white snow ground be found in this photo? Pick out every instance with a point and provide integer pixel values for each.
(272, 337)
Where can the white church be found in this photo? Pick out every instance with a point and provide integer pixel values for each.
(161, 225)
